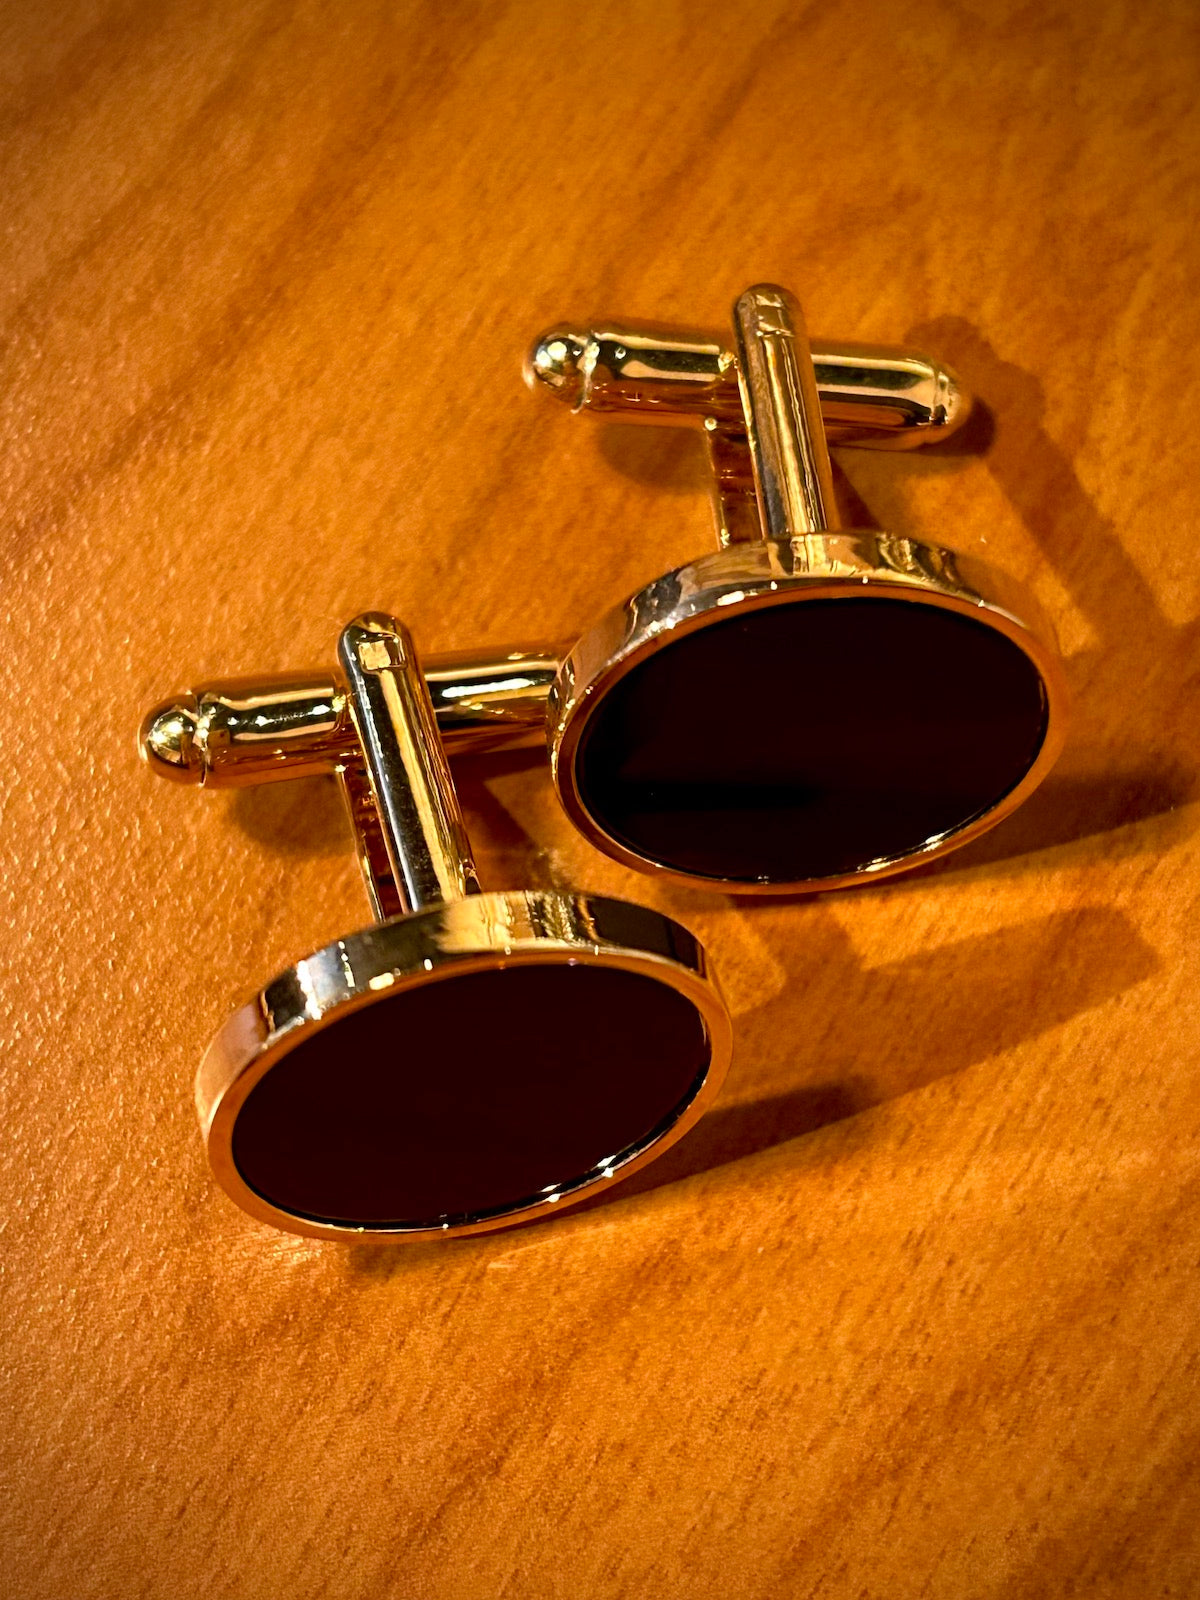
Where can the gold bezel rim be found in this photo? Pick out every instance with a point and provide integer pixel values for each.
(482, 932)
(838, 566)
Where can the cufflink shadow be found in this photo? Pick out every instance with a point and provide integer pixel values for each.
(871, 1034)
(1074, 809)
(306, 816)
(1137, 689)
(874, 1034)
(303, 817)
(506, 854)
(670, 460)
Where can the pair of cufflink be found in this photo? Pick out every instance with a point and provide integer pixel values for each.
(803, 709)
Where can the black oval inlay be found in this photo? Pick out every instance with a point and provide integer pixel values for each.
(809, 739)
(469, 1095)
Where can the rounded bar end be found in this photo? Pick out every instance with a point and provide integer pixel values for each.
(168, 741)
(556, 362)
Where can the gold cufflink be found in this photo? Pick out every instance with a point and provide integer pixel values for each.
(803, 709)
(473, 1059)
(806, 708)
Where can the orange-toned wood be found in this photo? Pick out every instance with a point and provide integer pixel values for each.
(916, 1313)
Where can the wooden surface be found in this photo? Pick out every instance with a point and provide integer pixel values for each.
(914, 1313)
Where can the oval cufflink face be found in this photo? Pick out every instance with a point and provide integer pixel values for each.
(470, 1096)
(463, 1068)
(807, 714)
(811, 740)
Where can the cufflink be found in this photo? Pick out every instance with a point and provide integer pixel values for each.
(803, 709)
(473, 1059)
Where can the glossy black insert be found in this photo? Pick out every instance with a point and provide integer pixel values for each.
(809, 739)
(470, 1095)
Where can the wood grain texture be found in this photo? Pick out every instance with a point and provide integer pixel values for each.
(914, 1313)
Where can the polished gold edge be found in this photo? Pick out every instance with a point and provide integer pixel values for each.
(490, 930)
(838, 566)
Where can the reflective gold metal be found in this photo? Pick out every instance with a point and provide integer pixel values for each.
(797, 558)
(245, 731)
(875, 396)
(872, 396)
(869, 396)
(779, 549)
(372, 1079)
